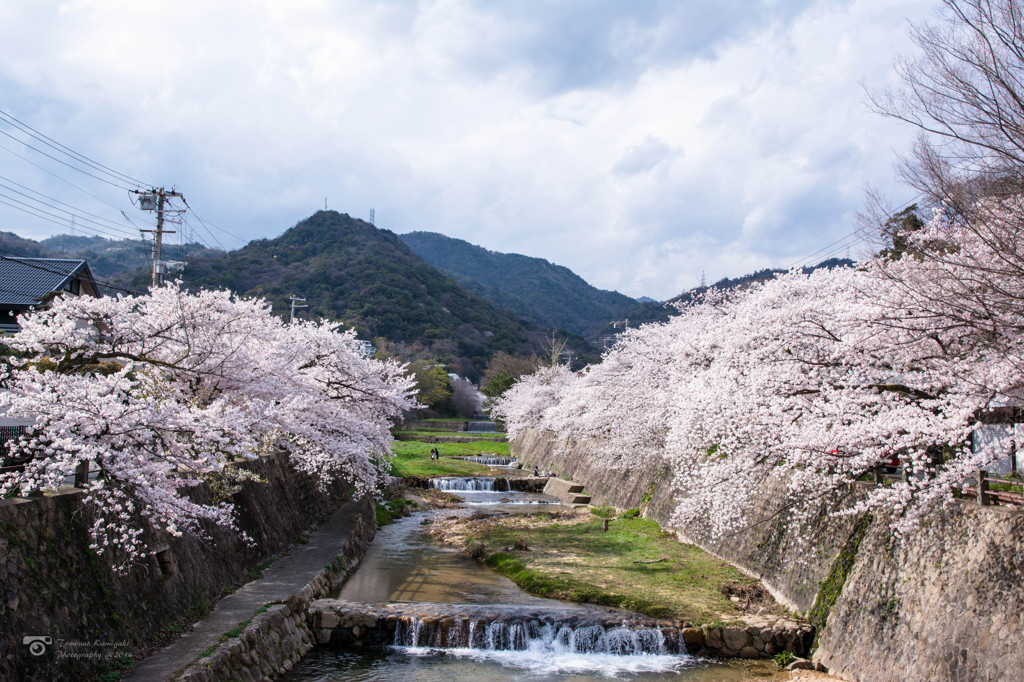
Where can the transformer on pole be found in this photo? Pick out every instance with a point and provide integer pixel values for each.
(158, 200)
(296, 300)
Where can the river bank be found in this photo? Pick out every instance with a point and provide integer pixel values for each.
(567, 555)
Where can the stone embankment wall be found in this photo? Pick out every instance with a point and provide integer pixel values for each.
(277, 639)
(944, 604)
(52, 585)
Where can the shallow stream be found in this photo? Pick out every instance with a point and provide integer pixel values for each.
(404, 564)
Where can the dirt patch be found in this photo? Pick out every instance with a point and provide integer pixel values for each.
(752, 598)
(432, 498)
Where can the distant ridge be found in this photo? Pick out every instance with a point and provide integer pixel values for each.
(660, 312)
(551, 295)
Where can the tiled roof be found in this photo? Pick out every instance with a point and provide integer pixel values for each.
(23, 281)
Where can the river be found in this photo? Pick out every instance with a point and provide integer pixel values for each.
(405, 565)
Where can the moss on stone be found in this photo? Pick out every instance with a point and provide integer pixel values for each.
(832, 586)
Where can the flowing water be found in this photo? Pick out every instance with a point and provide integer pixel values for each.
(492, 461)
(477, 484)
(523, 637)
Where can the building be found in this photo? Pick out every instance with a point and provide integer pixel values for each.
(28, 283)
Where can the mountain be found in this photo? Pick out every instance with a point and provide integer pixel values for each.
(13, 245)
(660, 312)
(124, 262)
(551, 295)
(351, 271)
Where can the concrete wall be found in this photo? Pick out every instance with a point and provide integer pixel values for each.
(53, 585)
(945, 604)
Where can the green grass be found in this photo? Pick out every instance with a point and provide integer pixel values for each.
(412, 458)
(577, 561)
(393, 509)
(447, 434)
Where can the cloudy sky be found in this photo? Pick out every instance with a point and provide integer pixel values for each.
(639, 143)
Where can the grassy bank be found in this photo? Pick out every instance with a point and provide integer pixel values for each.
(634, 565)
(437, 434)
(412, 458)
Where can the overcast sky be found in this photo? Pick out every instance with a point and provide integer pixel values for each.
(638, 143)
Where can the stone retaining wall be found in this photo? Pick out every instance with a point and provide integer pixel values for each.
(944, 604)
(52, 585)
(275, 640)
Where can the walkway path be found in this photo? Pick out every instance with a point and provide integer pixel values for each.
(284, 578)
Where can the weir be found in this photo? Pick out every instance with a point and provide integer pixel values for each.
(562, 629)
(482, 427)
(492, 461)
(481, 484)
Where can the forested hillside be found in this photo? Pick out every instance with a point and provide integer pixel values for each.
(125, 262)
(551, 295)
(351, 271)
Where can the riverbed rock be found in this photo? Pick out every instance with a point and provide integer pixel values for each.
(694, 637)
(713, 638)
(735, 638)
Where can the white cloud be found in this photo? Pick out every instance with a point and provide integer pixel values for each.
(637, 144)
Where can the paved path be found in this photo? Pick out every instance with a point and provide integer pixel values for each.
(284, 578)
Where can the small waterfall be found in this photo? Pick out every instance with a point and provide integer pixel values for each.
(470, 485)
(539, 637)
(481, 427)
(491, 461)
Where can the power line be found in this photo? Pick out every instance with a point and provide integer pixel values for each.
(68, 182)
(838, 246)
(81, 158)
(65, 163)
(207, 225)
(53, 217)
(77, 212)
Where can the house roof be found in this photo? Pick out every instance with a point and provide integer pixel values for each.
(23, 281)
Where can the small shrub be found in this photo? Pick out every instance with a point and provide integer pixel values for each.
(630, 513)
(783, 658)
(477, 551)
(604, 512)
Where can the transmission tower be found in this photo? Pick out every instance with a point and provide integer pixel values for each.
(372, 218)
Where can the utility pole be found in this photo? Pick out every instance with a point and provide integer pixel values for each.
(296, 300)
(157, 200)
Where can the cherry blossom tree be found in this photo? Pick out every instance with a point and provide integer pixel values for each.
(800, 386)
(162, 392)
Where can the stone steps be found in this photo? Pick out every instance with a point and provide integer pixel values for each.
(566, 491)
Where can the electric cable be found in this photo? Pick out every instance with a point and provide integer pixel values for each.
(81, 158)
